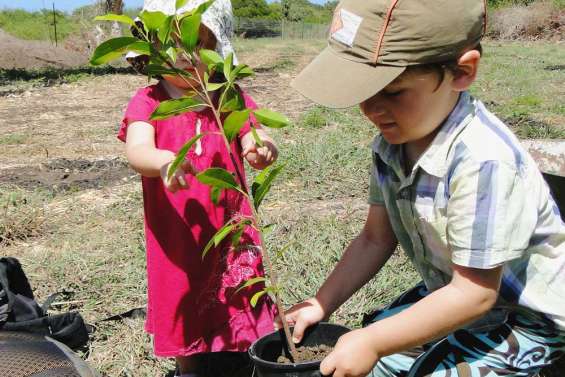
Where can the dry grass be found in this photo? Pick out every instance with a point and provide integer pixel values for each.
(538, 20)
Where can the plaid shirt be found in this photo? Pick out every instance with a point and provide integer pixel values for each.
(477, 199)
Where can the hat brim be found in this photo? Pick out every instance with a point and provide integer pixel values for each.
(335, 82)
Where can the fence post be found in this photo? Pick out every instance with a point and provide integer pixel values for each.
(55, 23)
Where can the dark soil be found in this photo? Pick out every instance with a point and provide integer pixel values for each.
(62, 175)
(310, 353)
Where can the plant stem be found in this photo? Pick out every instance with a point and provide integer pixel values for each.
(243, 186)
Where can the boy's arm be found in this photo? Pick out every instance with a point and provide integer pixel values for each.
(469, 295)
(362, 259)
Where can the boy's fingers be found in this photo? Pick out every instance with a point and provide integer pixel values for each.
(327, 366)
(298, 331)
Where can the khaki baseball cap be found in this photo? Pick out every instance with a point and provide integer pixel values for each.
(371, 42)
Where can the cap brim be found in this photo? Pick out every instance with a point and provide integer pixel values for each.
(333, 81)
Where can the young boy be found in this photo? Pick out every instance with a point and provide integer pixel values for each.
(454, 187)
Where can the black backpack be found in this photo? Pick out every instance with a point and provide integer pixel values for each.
(20, 312)
(32, 343)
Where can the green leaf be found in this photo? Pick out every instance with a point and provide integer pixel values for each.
(262, 184)
(256, 298)
(267, 229)
(234, 122)
(172, 53)
(116, 17)
(164, 33)
(111, 49)
(181, 155)
(237, 235)
(210, 57)
(240, 72)
(281, 252)
(211, 86)
(189, 29)
(152, 20)
(174, 107)
(141, 47)
(228, 64)
(251, 282)
(233, 101)
(217, 238)
(156, 70)
(204, 6)
(271, 118)
(180, 3)
(215, 193)
(218, 177)
(256, 137)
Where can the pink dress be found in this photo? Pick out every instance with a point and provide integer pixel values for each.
(192, 305)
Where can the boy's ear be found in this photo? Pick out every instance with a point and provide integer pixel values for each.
(467, 67)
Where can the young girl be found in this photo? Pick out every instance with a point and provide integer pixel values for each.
(453, 186)
(192, 306)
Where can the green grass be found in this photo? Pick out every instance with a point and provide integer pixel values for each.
(523, 84)
(37, 25)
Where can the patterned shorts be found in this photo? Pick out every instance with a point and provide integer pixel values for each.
(521, 346)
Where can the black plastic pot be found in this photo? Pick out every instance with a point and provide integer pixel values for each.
(265, 351)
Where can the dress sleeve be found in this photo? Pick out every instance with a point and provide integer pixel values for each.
(490, 218)
(139, 108)
(250, 104)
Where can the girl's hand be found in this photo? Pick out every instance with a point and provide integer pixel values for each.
(178, 179)
(354, 355)
(302, 316)
(259, 157)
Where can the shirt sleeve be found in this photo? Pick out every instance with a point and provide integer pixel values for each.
(489, 218)
(139, 108)
(375, 189)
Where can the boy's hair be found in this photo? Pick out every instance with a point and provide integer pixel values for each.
(440, 68)
(372, 42)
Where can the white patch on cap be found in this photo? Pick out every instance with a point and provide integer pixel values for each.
(345, 25)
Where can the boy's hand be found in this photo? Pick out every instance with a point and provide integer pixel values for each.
(178, 179)
(260, 157)
(302, 316)
(354, 355)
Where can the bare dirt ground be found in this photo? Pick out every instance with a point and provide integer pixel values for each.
(17, 53)
(65, 135)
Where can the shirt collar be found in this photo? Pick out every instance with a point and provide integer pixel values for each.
(434, 159)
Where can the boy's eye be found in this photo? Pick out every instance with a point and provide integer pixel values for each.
(392, 93)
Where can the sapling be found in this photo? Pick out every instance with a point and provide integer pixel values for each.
(164, 39)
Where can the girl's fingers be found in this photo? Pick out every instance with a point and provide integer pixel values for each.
(181, 180)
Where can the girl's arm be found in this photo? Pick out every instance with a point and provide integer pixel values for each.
(141, 152)
(149, 161)
(470, 294)
(362, 259)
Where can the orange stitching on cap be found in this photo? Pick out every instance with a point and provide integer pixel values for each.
(383, 28)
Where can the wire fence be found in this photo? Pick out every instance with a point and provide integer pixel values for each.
(260, 28)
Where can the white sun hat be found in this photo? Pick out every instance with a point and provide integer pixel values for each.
(218, 18)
